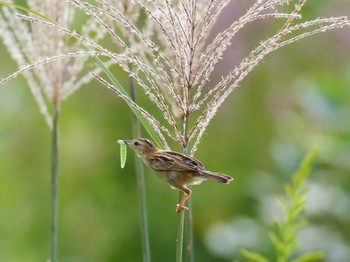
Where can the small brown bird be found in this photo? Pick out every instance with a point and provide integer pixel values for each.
(177, 169)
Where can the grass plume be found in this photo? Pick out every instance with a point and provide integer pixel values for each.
(176, 62)
(53, 70)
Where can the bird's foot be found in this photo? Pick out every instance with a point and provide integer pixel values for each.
(179, 207)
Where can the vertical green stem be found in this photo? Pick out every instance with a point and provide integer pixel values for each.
(180, 231)
(140, 170)
(54, 186)
(190, 243)
(181, 218)
(189, 220)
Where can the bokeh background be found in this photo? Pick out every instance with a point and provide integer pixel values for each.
(299, 96)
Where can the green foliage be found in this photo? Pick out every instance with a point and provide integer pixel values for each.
(284, 236)
(311, 256)
(253, 256)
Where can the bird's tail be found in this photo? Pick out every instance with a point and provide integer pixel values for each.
(220, 178)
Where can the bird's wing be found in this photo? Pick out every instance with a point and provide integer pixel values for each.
(161, 162)
(174, 161)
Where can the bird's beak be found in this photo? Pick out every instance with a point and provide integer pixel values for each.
(127, 142)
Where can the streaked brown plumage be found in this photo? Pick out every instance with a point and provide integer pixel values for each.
(177, 169)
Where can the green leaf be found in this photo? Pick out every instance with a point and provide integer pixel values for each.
(138, 114)
(123, 151)
(312, 256)
(23, 8)
(299, 177)
(252, 256)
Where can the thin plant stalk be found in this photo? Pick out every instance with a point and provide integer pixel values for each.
(140, 171)
(180, 231)
(54, 185)
(181, 218)
(190, 244)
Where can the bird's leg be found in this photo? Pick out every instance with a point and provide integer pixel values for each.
(180, 206)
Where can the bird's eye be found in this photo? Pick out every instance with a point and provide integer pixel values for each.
(136, 143)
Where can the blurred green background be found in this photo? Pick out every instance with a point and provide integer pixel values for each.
(299, 95)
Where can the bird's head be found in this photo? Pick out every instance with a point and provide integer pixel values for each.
(141, 146)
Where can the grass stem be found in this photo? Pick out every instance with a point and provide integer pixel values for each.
(180, 231)
(181, 218)
(140, 171)
(190, 243)
(54, 186)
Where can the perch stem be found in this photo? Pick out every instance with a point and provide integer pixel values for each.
(140, 170)
(54, 186)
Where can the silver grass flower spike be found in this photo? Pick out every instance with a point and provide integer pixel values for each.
(53, 68)
(172, 57)
(33, 48)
